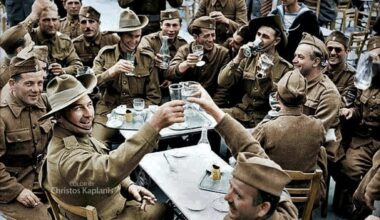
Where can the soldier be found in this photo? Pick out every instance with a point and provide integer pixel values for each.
(229, 15)
(323, 99)
(183, 65)
(151, 9)
(170, 25)
(254, 105)
(80, 164)
(62, 56)
(23, 141)
(124, 72)
(366, 113)
(12, 41)
(238, 39)
(92, 40)
(70, 24)
(250, 195)
(17, 10)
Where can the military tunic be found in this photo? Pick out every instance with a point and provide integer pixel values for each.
(254, 105)
(70, 26)
(206, 75)
(4, 74)
(23, 142)
(234, 10)
(81, 171)
(88, 50)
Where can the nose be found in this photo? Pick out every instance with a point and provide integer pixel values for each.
(88, 112)
(295, 60)
(228, 197)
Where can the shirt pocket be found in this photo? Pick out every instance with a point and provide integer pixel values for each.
(19, 136)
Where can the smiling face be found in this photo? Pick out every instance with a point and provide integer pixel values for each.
(28, 87)
(337, 53)
(81, 114)
(206, 38)
(130, 40)
(303, 60)
(171, 28)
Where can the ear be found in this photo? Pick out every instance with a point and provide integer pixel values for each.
(317, 62)
(263, 209)
(277, 41)
(12, 83)
(195, 36)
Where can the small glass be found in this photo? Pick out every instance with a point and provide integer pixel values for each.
(138, 104)
(130, 57)
(175, 91)
(198, 50)
(274, 104)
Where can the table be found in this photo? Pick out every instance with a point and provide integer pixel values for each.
(181, 186)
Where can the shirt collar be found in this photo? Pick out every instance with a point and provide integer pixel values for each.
(291, 111)
(97, 39)
(42, 39)
(222, 2)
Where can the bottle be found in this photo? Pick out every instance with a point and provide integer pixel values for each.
(203, 142)
(363, 76)
(164, 52)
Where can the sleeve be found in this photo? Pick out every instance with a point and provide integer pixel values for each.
(202, 10)
(285, 208)
(328, 108)
(173, 73)
(241, 17)
(373, 187)
(231, 74)
(101, 73)
(72, 61)
(10, 188)
(259, 134)
(349, 90)
(108, 170)
(240, 140)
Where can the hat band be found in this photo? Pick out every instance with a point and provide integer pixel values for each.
(66, 95)
(129, 24)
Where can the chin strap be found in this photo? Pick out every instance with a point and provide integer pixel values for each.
(72, 127)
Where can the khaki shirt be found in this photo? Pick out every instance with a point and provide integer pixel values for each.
(343, 79)
(81, 171)
(234, 10)
(4, 74)
(22, 139)
(242, 141)
(206, 75)
(87, 50)
(121, 89)
(255, 102)
(70, 26)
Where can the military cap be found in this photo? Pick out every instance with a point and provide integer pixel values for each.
(169, 14)
(338, 37)
(260, 173)
(11, 36)
(89, 12)
(40, 52)
(373, 43)
(202, 22)
(292, 88)
(314, 41)
(19, 66)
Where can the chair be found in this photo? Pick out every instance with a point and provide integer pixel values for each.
(88, 212)
(356, 43)
(314, 5)
(3, 19)
(306, 194)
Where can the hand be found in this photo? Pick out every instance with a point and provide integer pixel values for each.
(346, 113)
(219, 17)
(191, 60)
(165, 84)
(28, 199)
(37, 8)
(368, 201)
(204, 100)
(56, 69)
(122, 66)
(142, 195)
(158, 60)
(168, 114)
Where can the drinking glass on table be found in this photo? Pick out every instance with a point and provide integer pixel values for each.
(130, 57)
(138, 107)
(198, 50)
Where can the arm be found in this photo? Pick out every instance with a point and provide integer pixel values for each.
(179, 65)
(328, 108)
(231, 74)
(241, 17)
(202, 10)
(72, 61)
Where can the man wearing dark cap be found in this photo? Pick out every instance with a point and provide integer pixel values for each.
(257, 184)
(124, 72)
(12, 41)
(183, 66)
(23, 141)
(151, 9)
(254, 105)
(92, 40)
(323, 99)
(365, 139)
(170, 25)
(70, 23)
(278, 135)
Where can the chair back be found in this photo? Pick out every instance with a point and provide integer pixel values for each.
(314, 5)
(306, 194)
(88, 212)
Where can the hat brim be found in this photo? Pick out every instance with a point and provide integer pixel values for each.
(144, 20)
(269, 21)
(88, 81)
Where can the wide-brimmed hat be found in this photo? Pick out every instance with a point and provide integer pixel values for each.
(273, 21)
(64, 90)
(129, 21)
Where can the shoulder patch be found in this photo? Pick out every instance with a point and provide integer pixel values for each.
(70, 142)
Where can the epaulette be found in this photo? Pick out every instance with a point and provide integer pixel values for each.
(109, 47)
(80, 38)
(70, 142)
(350, 69)
(63, 36)
(62, 19)
(282, 60)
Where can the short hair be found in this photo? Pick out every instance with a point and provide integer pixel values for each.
(16, 78)
(20, 42)
(196, 30)
(316, 53)
(266, 197)
(180, 20)
(51, 7)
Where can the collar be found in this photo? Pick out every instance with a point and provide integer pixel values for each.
(43, 40)
(96, 40)
(71, 19)
(63, 133)
(222, 2)
(291, 111)
(335, 71)
(315, 80)
(16, 105)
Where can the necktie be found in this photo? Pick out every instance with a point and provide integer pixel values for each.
(266, 6)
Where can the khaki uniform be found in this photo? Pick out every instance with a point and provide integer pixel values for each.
(61, 50)
(70, 27)
(241, 141)
(234, 10)
(122, 89)
(81, 171)
(150, 8)
(207, 75)
(255, 103)
(323, 102)
(4, 75)
(23, 141)
(365, 141)
(87, 51)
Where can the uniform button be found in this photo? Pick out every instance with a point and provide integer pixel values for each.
(124, 82)
(86, 142)
(374, 97)
(18, 139)
(34, 126)
(255, 88)
(124, 93)
(254, 100)
(371, 109)
(369, 129)
(36, 142)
